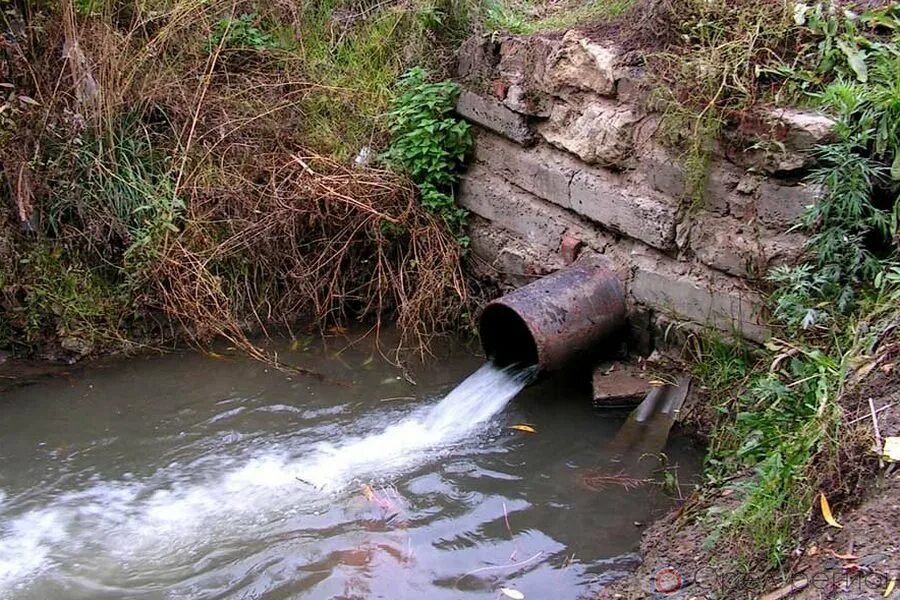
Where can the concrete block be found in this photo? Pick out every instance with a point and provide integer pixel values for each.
(720, 302)
(602, 197)
(504, 258)
(782, 206)
(492, 114)
(493, 198)
(544, 172)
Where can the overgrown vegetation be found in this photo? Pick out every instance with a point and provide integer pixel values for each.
(185, 169)
(787, 436)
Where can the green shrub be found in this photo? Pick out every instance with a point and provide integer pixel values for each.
(430, 143)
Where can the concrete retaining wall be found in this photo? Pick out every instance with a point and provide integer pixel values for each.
(567, 161)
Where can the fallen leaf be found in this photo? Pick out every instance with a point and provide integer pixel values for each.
(891, 449)
(368, 492)
(526, 428)
(29, 100)
(890, 587)
(826, 512)
(511, 593)
(215, 355)
(843, 556)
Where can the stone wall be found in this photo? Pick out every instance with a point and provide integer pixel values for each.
(568, 160)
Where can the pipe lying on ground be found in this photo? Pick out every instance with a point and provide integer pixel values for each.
(552, 320)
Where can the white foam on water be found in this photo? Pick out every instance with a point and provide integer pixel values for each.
(147, 522)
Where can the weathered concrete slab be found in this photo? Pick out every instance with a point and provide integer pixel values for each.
(637, 213)
(716, 301)
(506, 259)
(542, 171)
(535, 220)
(495, 199)
(492, 114)
(597, 194)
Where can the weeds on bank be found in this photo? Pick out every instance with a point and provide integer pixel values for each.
(241, 32)
(785, 437)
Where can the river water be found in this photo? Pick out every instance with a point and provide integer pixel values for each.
(191, 476)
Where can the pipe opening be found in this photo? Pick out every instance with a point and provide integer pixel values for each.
(505, 337)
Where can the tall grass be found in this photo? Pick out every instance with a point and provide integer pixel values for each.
(191, 162)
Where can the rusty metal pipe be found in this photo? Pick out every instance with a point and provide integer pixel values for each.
(551, 320)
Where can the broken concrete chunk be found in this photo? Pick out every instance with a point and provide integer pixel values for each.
(741, 249)
(523, 59)
(602, 133)
(476, 58)
(782, 139)
(527, 102)
(582, 65)
(492, 114)
(619, 385)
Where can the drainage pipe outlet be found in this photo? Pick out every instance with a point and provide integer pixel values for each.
(552, 320)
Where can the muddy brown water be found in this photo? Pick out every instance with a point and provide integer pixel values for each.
(186, 476)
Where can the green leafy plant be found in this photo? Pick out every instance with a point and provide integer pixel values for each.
(241, 32)
(430, 143)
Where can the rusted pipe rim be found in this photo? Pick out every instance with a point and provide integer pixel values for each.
(505, 336)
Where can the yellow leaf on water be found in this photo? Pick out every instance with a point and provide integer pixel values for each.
(826, 512)
(511, 593)
(891, 449)
(890, 587)
(368, 492)
(526, 428)
(214, 355)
